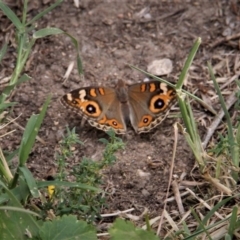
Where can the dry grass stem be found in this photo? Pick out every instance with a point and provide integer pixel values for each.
(227, 83)
(68, 72)
(177, 196)
(190, 183)
(134, 217)
(212, 128)
(225, 39)
(204, 203)
(6, 124)
(172, 224)
(170, 175)
(8, 133)
(117, 213)
(216, 184)
(173, 198)
(151, 222)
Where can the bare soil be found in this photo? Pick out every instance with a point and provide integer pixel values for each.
(111, 35)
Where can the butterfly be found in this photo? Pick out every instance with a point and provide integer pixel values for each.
(144, 104)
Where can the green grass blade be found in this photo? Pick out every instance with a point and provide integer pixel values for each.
(30, 134)
(33, 188)
(10, 155)
(6, 91)
(6, 105)
(24, 13)
(238, 135)
(237, 224)
(213, 210)
(3, 51)
(191, 133)
(79, 61)
(233, 221)
(188, 63)
(189, 122)
(46, 32)
(200, 230)
(17, 209)
(13, 199)
(79, 64)
(10, 87)
(184, 108)
(201, 224)
(23, 78)
(67, 184)
(28, 139)
(11, 15)
(231, 140)
(186, 229)
(15, 223)
(21, 192)
(223, 105)
(227, 237)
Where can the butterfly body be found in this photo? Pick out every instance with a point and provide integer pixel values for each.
(143, 104)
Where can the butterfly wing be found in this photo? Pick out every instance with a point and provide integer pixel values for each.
(149, 104)
(99, 105)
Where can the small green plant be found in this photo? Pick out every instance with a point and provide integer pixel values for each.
(221, 146)
(66, 151)
(115, 143)
(86, 204)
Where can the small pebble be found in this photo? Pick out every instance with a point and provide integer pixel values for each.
(160, 67)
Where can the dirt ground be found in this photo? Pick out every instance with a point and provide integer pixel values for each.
(111, 35)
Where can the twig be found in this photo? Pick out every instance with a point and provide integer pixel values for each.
(205, 204)
(225, 39)
(170, 177)
(178, 197)
(229, 81)
(68, 72)
(211, 129)
(4, 125)
(117, 213)
(1, 136)
(151, 222)
(170, 199)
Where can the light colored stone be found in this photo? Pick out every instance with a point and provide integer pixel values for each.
(160, 67)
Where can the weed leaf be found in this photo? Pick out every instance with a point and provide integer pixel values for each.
(126, 230)
(67, 227)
